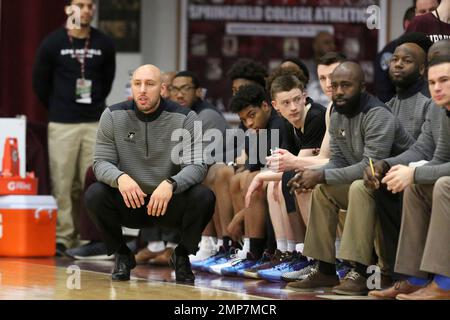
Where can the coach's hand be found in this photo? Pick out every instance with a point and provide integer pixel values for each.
(131, 192)
(371, 181)
(160, 199)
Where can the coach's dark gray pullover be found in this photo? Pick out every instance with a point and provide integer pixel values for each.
(373, 132)
(410, 106)
(140, 145)
(440, 165)
(424, 147)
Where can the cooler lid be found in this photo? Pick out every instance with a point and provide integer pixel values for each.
(27, 202)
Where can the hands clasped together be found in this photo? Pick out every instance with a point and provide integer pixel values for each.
(134, 197)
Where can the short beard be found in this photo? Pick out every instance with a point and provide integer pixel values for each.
(351, 108)
(407, 81)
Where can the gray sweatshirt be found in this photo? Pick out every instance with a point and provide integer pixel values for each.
(427, 141)
(373, 132)
(410, 107)
(141, 145)
(439, 166)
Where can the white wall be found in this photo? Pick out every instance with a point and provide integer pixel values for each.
(159, 33)
(396, 11)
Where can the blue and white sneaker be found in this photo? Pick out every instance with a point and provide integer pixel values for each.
(203, 264)
(293, 262)
(234, 256)
(242, 265)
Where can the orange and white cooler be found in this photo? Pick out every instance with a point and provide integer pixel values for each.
(27, 226)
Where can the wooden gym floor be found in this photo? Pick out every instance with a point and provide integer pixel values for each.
(56, 279)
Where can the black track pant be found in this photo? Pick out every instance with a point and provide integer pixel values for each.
(189, 212)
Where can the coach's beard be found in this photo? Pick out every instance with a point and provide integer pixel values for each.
(351, 108)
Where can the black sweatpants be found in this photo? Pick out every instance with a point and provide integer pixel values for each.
(189, 212)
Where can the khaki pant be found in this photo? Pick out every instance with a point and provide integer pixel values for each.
(71, 149)
(424, 243)
(362, 228)
(327, 201)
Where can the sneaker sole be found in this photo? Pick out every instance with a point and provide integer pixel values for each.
(251, 275)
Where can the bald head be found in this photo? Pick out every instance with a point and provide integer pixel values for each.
(438, 49)
(413, 50)
(146, 87)
(147, 69)
(350, 70)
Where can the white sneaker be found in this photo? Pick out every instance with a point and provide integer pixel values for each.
(207, 249)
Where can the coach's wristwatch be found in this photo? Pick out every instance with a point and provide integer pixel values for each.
(173, 183)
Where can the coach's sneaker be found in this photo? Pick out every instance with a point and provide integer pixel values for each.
(207, 249)
(354, 284)
(316, 280)
(299, 274)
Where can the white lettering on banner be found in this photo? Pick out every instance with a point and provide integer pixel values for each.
(289, 14)
(13, 186)
(277, 30)
(240, 13)
(278, 13)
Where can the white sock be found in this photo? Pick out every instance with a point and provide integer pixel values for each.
(171, 245)
(337, 244)
(246, 246)
(156, 246)
(219, 242)
(299, 247)
(282, 245)
(291, 245)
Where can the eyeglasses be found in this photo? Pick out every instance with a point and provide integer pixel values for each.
(183, 89)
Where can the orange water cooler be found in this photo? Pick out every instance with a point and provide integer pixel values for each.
(27, 226)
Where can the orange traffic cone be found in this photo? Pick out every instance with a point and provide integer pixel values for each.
(11, 161)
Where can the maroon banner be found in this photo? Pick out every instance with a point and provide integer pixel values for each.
(222, 31)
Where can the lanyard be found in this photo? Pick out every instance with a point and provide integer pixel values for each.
(81, 58)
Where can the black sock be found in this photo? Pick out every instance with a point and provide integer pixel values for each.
(227, 242)
(257, 247)
(327, 268)
(361, 269)
(180, 250)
